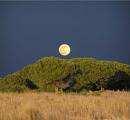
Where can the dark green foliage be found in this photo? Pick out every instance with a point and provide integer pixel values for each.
(77, 74)
(119, 81)
(30, 84)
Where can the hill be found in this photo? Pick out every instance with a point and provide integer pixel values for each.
(77, 74)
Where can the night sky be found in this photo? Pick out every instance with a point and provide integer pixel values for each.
(31, 30)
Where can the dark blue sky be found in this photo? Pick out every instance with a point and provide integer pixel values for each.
(30, 30)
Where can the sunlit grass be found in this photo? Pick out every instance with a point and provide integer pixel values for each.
(106, 105)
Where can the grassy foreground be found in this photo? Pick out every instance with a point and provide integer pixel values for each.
(107, 105)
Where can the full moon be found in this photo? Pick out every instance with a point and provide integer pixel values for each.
(64, 49)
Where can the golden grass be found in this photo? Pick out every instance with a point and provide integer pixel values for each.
(52, 106)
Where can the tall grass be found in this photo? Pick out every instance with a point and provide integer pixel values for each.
(54, 106)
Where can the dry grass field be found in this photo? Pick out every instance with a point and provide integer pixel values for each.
(107, 105)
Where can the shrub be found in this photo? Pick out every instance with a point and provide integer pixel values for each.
(84, 74)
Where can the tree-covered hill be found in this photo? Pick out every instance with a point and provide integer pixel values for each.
(75, 74)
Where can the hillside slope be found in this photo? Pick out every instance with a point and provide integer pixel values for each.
(75, 74)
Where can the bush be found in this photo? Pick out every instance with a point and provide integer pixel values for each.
(76, 74)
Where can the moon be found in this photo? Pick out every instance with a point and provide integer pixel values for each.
(64, 49)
